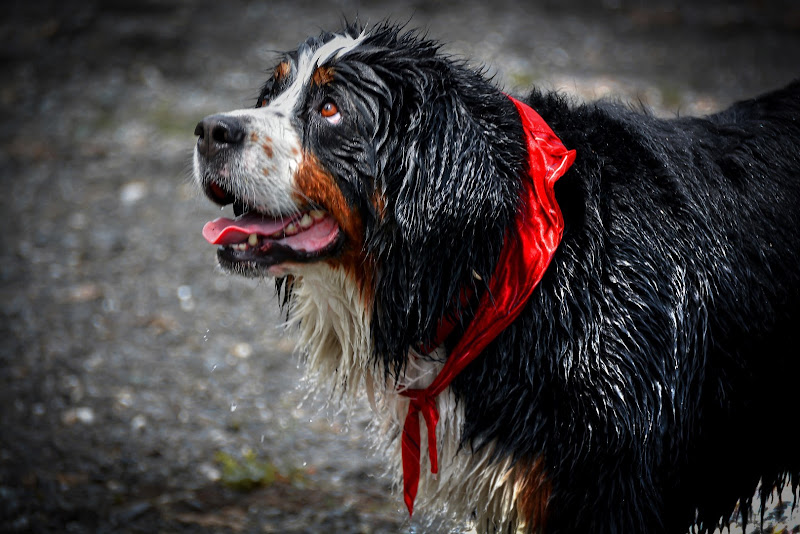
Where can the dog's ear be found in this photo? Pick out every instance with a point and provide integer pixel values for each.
(453, 192)
(449, 181)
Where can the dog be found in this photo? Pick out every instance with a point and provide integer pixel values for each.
(568, 317)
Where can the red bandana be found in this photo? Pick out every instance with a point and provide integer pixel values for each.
(529, 247)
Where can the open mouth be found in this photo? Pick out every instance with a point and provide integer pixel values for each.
(254, 240)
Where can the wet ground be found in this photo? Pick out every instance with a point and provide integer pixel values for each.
(143, 391)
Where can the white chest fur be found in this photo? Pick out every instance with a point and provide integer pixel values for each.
(333, 333)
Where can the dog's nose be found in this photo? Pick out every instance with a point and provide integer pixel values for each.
(218, 132)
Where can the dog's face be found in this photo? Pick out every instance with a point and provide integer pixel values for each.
(373, 154)
(281, 164)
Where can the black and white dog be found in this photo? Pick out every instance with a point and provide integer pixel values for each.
(585, 318)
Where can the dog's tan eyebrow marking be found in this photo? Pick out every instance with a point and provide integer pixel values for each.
(322, 76)
(282, 70)
(307, 63)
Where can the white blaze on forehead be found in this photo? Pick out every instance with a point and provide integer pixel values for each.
(307, 64)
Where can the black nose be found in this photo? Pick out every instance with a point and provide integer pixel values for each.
(218, 132)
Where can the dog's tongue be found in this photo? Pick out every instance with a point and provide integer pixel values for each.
(224, 231)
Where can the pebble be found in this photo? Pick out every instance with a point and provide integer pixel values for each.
(83, 414)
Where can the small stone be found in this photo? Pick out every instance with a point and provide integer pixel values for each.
(132, 192)
(84, 415)
(242, 350)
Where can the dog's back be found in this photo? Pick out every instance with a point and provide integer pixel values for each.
(686, 232)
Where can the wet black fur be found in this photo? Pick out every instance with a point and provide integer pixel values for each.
(656, 366)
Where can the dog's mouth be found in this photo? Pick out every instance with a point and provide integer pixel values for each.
(255, 241)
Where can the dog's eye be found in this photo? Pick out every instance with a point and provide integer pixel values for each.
(330, 111)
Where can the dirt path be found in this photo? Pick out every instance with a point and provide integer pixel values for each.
(131, 371)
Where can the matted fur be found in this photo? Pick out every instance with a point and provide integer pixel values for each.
(666, 325)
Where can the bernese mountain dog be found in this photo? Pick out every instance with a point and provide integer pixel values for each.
(567, 317)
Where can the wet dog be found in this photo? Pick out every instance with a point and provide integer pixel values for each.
(584, 318)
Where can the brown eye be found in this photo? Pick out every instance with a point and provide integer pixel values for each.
(329, 110)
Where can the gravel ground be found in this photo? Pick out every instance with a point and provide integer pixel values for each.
(143, 391)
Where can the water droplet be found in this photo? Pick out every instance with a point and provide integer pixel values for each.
(184, 292)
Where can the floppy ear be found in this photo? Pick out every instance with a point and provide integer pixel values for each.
(452, 193)
(450, 181)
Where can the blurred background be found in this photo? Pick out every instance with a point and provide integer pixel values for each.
(143, 391)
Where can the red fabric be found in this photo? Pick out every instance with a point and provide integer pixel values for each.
(528, 248)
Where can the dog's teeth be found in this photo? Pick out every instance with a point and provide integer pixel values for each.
(252, 240)
(306, 221)
(291, 229)
(317, 215)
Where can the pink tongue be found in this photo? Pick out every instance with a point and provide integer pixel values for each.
(224, 231)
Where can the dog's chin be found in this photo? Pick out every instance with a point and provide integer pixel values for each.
(276, 259)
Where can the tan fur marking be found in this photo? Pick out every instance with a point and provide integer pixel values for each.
(534, 493)
(322, 76)
(316, 184)
(282, 70)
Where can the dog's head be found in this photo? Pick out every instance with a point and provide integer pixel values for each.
(372, 152)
